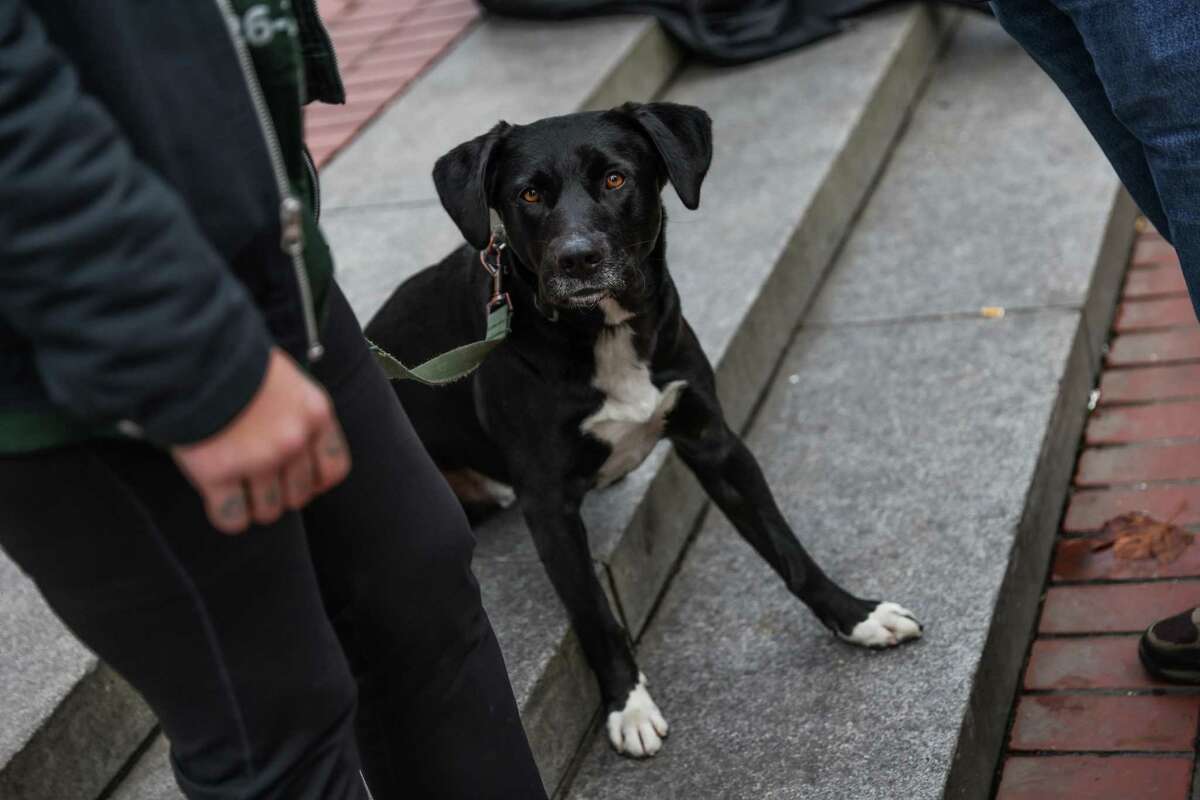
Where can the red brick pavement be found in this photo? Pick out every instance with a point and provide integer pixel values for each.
(1091, 662)
(1096, 778)
(1130, 425)
(1154, 282)
(382, 45)
(1106, 723)
(1149, 384)
(1090, 509)
(1089, 722)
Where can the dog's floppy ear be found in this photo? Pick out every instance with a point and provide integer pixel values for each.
(461, 178)
(683, 137)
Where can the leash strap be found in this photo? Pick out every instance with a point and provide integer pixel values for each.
(460, 362)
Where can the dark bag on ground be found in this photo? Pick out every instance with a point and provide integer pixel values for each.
(716, 31)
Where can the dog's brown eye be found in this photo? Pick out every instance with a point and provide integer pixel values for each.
(531, 195)
(615, 180)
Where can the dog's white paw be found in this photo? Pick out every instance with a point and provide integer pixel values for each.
(638, 729)
(475, 488)
(887, 625)
(502, 493)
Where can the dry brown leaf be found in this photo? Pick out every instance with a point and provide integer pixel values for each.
(1137, 536)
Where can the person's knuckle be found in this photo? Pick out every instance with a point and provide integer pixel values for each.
(265, 458)
(318, 407)
(325, 480)
(209, 470)
(231, 527)
(302, 488)
(290, 440)
(225, 523)
(227, 473)
(267, 515)
(341, 468)
(299, 481)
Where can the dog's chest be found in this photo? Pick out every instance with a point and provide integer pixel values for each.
(634, 412)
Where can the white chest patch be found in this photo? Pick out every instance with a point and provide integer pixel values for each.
(634, 412)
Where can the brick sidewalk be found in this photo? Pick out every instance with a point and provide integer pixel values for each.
(382, 45)
(1089, 723)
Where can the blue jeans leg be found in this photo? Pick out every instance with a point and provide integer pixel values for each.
(1131, 68)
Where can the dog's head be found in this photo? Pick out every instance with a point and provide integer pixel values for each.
(579, 195)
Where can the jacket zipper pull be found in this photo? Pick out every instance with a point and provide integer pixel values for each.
(291, 227)
(291, 240)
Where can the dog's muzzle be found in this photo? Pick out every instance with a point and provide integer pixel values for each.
(579, 271)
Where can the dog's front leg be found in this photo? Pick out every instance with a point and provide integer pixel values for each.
(635, 725)
(733, 479)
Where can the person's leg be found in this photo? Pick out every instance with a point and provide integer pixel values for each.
(1051, 38)
(225, 637)
(1147, 54)
(1132, 70)
(393, 549)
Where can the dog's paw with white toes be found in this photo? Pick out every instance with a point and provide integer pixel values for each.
(638, 729)
(887, 625)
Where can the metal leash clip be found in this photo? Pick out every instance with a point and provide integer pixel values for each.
(494, 251)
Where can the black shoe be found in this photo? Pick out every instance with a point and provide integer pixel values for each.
(1170, 648)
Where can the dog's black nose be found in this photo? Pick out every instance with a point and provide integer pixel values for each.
(578, 255)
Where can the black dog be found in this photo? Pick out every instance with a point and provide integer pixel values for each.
(599, 366)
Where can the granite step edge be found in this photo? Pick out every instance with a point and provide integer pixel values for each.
(996, 680)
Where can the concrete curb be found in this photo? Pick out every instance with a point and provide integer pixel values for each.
(993, 692)
(82, 744)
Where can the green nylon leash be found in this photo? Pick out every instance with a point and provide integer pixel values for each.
(460, 362)
(454, 364)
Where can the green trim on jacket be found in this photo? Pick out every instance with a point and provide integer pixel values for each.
(25, 431)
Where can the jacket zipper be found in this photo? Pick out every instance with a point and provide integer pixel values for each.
(291, 224)
(314, 180)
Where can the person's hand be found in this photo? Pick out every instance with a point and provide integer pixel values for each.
(279, 452)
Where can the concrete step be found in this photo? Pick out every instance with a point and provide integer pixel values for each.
(921, 450)
(516, 70)
(69, 723)
(799, 140)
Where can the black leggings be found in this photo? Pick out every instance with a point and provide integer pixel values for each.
(253, 650)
